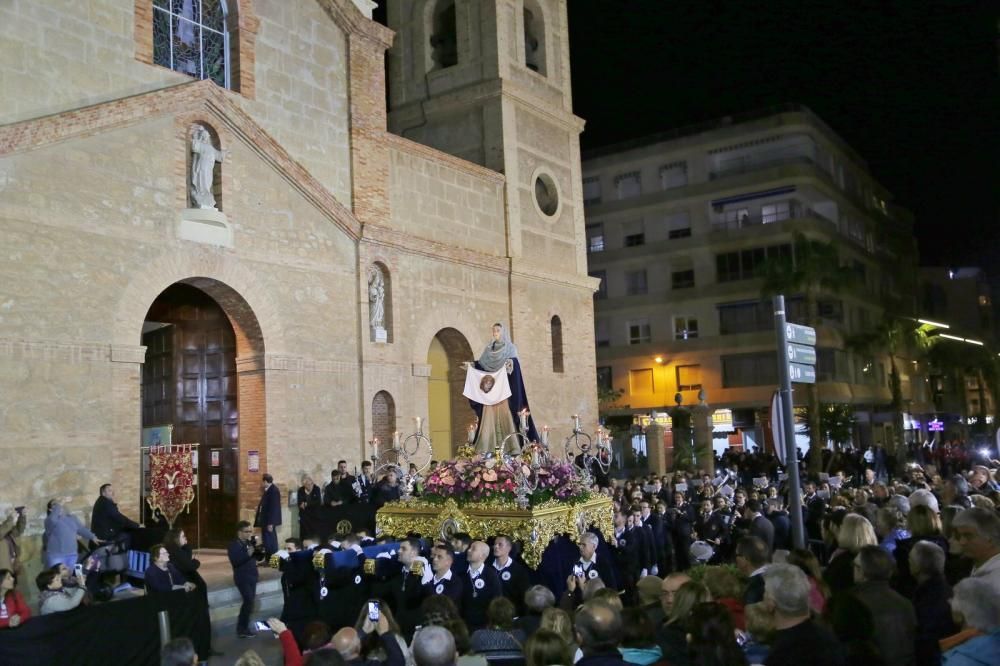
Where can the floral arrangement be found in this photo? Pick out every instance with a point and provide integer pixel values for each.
(479, 479)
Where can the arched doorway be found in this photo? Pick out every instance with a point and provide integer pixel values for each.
(194, 332)
(449, 411)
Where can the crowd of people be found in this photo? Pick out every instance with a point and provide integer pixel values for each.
(901, 567)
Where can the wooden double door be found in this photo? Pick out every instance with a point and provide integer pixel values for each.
(189, 381)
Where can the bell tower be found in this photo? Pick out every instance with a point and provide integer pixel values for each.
(488, 81)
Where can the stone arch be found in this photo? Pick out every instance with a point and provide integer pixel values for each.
(534, 28)
(555, 326)
(441, 24)
(449, 411)
(203, 374)
(383, 418)
(224, 280)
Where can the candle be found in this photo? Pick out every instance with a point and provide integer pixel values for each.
(576, 423)
(545, 435)
(395, 439)
(534, 457)
(419, 423)
(524, 419)
(375, 444)
(472, 433)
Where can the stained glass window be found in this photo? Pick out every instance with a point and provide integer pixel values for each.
(190, 36)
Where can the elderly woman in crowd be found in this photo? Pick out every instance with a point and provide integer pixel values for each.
(62, 532)
(499, 636)
(930, 601)
(923, 524)
(161, 575)
(977, 603)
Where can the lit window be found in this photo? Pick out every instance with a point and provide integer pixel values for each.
(685, 328)
(688, 377)
(775, 212)
(190, 36)
(640, 381)
(595, 237)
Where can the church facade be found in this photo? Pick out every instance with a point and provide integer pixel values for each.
(339, 261)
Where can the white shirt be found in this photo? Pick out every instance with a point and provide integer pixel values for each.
(446, 576)
(990, 570)
(496, 564)
(477, 572)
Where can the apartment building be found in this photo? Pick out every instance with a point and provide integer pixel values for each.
(679, 227)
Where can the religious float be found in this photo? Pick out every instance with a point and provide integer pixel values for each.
(519, 488)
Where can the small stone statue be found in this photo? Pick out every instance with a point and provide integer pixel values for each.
(376, 298)
(203, 167)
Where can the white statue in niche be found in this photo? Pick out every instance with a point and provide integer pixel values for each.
(203, 167)
(376, 303)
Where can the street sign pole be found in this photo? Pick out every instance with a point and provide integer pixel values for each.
(791, 451)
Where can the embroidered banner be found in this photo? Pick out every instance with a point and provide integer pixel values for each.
(486, 388)
(171, 483)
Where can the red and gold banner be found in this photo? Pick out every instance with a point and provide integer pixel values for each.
(171, 482)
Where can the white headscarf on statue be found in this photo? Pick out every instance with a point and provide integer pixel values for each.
(497, 352)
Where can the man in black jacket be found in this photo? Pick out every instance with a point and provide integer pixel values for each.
(444, 580)
(482, 585)
(399, 583)
(106, 521)
(598, 628)
(515, 577)
(244, 553)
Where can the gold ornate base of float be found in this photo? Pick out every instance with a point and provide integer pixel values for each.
(533, 527)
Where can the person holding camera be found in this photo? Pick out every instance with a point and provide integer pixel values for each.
(62, 532)
(10, 547)
(244, 553)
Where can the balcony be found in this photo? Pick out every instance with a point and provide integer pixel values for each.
(795, 212)
(748, 163)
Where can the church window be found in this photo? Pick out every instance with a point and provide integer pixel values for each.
(546, 194)
(534, 37)
(557, 344)
(444, 35)
(383, 418)
(190, 36)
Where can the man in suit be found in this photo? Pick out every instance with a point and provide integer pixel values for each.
(333, 493)
(244, 553)
(760, 527)
(480, 588)
(268, 516)
(815, 508)
(347, 480)
(366, 483)
(515, 578)
(663, 552)
(752, 559)
(627, 548)
(106, 521)
(444, 581)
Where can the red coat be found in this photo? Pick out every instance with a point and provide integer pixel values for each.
(15, 605)
(735, 608)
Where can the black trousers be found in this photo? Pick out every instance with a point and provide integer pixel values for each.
(248, 590)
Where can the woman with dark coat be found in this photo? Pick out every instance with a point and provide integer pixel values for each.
(183, 559)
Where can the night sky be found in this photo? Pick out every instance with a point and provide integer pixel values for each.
(911, 85)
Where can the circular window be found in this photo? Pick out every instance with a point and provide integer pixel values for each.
(546, 194)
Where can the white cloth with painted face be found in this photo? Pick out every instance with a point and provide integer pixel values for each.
(486, 388)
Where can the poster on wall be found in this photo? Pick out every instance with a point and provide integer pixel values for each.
(253, 461)
(161, 435)
(216, 456)
(215, 482)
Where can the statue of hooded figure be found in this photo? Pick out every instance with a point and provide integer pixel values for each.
(500, 420)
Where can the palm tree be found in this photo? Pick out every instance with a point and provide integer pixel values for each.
(893, 335)
(813, 270)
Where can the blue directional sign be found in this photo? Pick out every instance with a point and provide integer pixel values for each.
(801, 354)
(802, 374)
(803, 335)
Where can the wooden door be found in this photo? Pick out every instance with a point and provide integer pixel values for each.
(189, 380)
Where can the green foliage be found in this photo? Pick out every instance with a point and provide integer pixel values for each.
(836, 422)
(697, 572)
